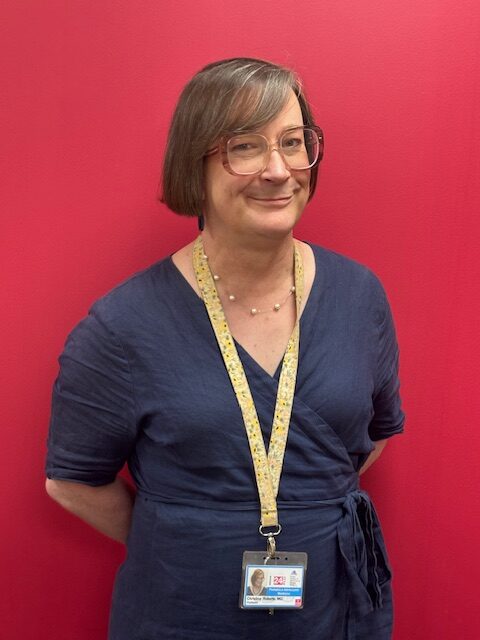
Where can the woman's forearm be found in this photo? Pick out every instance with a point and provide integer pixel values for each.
(374, 455)
(107, 508)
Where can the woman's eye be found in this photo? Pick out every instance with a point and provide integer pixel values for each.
(292, 143)
(244, 147)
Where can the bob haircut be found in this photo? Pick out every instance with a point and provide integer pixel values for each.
(225, 97)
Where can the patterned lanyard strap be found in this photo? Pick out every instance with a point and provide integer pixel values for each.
(267, 468)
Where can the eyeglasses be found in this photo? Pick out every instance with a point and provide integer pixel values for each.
(247, 154)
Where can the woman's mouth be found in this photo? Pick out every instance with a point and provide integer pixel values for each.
(277, 201)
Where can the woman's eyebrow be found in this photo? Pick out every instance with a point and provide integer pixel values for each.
(237, 132)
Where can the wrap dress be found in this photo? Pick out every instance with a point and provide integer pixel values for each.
(142, 381)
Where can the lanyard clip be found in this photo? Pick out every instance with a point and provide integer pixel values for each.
(270, 535)
(271, 547)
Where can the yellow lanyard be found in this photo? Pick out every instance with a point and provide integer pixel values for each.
(267, 468)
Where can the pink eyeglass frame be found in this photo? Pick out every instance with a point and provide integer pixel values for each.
(223, 143)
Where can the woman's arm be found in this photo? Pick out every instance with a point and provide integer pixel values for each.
(107, 508)
(374, 455)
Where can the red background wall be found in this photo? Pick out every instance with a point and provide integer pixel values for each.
(88, 89)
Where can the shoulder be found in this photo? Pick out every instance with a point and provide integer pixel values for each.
(345, 269)
(351, 281)
(122, 309)
(138, 296)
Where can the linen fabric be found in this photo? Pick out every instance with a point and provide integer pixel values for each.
(142, 381)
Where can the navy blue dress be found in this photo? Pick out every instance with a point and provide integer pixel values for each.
(142, 380)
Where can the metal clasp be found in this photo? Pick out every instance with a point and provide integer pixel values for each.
(270, 535)
(271, 545)
(267, 534)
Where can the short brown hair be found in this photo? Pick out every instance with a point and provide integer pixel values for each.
(238, 94)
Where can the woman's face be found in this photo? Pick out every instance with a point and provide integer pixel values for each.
(268, 204)
(257, 580)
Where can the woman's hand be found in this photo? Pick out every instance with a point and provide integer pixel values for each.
(107, 508)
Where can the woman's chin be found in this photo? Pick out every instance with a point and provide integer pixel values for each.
(275, 222)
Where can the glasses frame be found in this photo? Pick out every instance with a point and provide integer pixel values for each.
(222, 148)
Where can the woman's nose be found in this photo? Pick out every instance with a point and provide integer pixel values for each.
(276, 168)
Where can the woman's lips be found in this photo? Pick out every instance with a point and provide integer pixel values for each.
(276, 201)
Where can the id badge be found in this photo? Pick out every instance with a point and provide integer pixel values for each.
(273, 583)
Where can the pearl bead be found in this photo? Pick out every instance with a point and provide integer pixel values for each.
(215, 277)
(232, 298)
(253, 311)
(276, 307)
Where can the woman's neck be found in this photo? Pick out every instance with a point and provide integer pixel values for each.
(254, 266)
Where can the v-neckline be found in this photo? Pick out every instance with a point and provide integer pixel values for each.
(308, 303)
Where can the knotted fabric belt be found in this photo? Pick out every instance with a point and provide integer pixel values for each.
(359, 537)
(361, 545)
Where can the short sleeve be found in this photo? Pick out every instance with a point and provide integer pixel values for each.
(388, 418)
(92, 426)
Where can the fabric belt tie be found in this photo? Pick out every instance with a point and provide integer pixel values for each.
(361, 546)
(358, 533)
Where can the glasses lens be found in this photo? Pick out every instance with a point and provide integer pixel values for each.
(300, 147)
(246, 153)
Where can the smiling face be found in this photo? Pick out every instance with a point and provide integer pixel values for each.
(257, 579)
(268, 204)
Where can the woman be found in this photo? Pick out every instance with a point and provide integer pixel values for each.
(256, 587)
(178, 369)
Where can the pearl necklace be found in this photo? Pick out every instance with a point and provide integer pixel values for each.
(254, 311)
